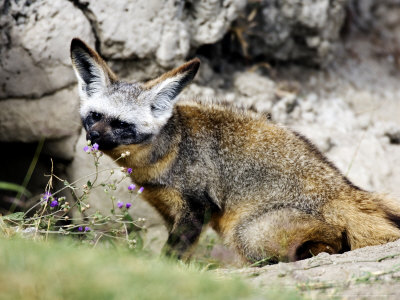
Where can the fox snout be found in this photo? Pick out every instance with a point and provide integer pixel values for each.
(104, 144)
(105, 141)
(93, 136)
(101, 134)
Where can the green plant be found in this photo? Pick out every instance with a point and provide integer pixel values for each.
(9, 186)
(51, 215)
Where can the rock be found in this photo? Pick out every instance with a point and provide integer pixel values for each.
(304, 31)
(63, 148)
(254, 91)
(251, 84)
(34, 46)
(365, 160)
(162, 30)
(51, 117)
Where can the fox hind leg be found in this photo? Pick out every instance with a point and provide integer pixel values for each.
(287, 235)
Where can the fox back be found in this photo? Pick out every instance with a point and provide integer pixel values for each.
(265, 189)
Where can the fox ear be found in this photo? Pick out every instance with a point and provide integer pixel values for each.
(92, 72)
(165, 88)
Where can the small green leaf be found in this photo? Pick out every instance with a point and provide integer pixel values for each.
(18, 216)
(98, 215)
(89, 184)
(127, 217)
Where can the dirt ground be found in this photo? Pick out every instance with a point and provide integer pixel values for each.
(367, 273)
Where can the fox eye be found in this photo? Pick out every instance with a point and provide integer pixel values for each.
(119, 124)
(96, 116)
(123, 124)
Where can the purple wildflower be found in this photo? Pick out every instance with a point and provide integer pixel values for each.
(86, 149)
(127, 205)
(131, 187)
(87, 228)
(46, 196)
(95, 147)
(80, 228)
(120, 204)
(129, 171)
(140, 190)
(54, 203)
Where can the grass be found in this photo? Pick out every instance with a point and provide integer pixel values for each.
(68, 270)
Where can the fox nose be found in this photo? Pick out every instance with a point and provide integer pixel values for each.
(93, 135)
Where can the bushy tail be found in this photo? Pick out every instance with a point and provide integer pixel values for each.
(391, 209)
(371, 219)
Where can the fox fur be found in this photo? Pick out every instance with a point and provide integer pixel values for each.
(268, 192)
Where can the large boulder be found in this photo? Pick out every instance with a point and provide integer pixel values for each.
(165, 31)
(34, 52)
(51, 117)
(37, 95)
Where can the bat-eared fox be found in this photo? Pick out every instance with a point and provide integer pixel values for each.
(265, 189)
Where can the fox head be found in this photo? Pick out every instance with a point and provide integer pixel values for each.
(115, 112)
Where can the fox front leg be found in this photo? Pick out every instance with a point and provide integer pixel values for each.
(184, 233)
